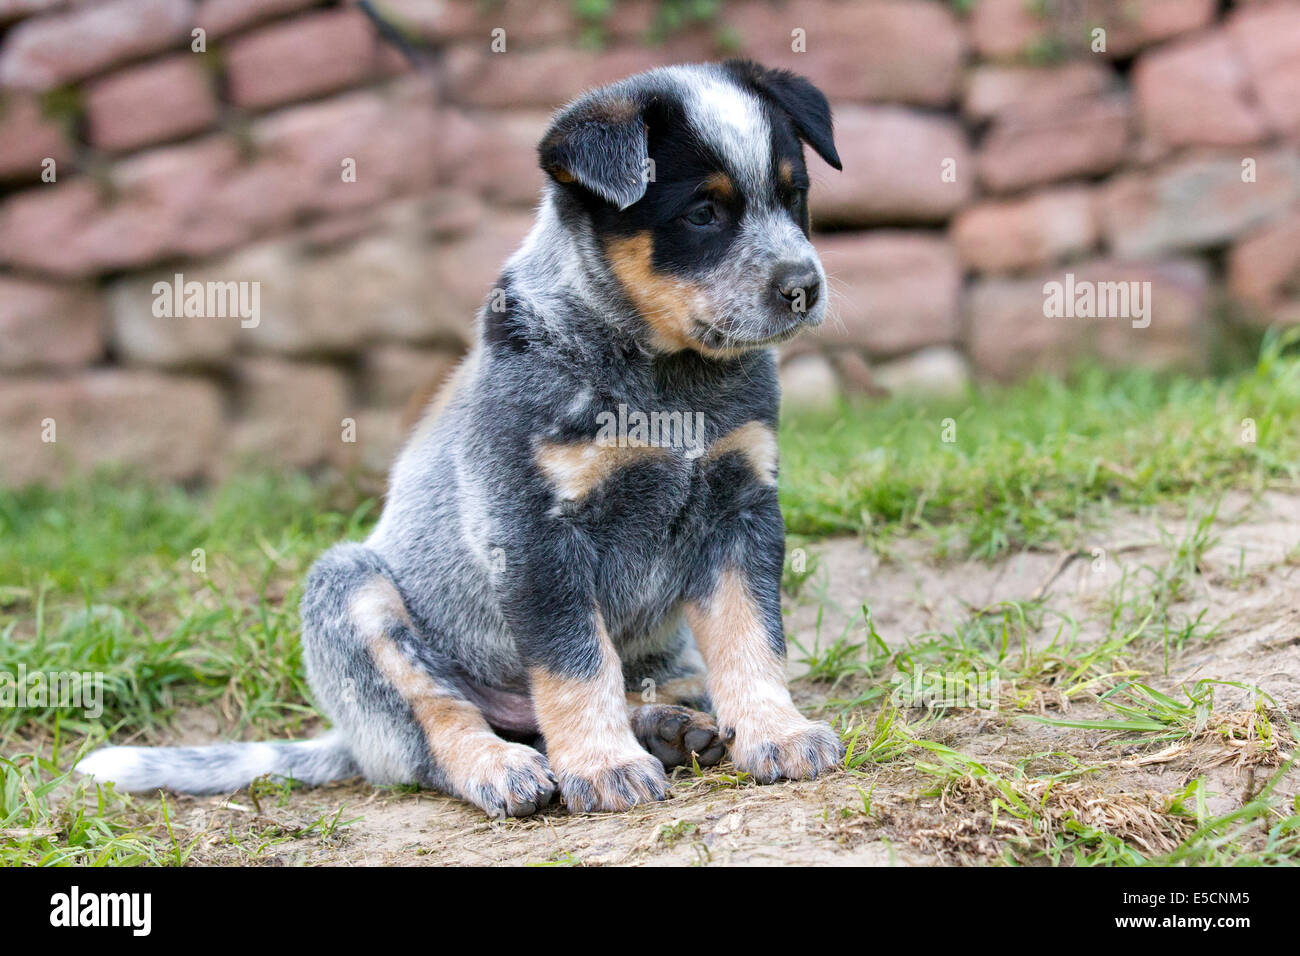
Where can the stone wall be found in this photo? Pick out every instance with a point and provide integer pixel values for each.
(989, 147)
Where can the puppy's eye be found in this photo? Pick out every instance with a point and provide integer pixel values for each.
(702, 215)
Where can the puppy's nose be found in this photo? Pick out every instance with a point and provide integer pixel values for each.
(797, 285)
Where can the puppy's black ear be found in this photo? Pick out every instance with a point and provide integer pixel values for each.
(599, 143)
(803, 103)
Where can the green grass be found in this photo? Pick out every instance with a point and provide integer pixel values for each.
(177, 598)
(1027, 463)
(100, 532)
(80, 829)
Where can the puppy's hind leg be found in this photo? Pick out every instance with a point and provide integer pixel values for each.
(669, 701)
(678, 735)
(402, 705)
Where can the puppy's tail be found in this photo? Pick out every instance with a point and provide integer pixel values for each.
(220, 768)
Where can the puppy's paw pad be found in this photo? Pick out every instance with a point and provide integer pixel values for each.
(619, 786)
(512, 780)
(801, 754)
(674, 734)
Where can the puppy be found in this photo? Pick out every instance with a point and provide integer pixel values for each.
(581, 549)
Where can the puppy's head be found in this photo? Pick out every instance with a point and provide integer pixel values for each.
(691, 183)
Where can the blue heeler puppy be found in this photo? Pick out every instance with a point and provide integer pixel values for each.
(530, 586)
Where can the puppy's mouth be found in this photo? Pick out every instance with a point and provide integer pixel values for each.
(715, 339)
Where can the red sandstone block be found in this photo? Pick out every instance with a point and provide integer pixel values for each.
(43, 52)
(48, 324)
(303, 57)
(160, 100)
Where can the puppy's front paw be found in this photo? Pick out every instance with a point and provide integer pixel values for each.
(618, 782)
(799, 750)
(674, 733)
(509, 780)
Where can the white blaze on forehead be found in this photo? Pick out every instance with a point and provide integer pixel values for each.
(731, 120)
(775, 234)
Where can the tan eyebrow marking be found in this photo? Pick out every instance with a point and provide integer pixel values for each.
(785, 170)
(721, 184)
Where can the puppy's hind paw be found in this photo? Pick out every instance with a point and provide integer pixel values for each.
(674, 734)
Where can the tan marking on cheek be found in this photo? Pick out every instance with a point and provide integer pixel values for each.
(665, 303)
(575, 469)
(785, 170)
(458, 735)
(585, 722)
(757, 442)
(746, 677)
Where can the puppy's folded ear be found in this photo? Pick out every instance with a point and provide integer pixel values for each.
(599, 143)
(802, 102)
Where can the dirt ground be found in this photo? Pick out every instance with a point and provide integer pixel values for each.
(1247, 579)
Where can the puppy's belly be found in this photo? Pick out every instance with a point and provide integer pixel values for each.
(510, 712)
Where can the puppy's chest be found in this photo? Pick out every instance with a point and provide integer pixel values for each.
(648, 473)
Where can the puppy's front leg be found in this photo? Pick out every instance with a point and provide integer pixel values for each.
(740, 636)
(579, 699)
